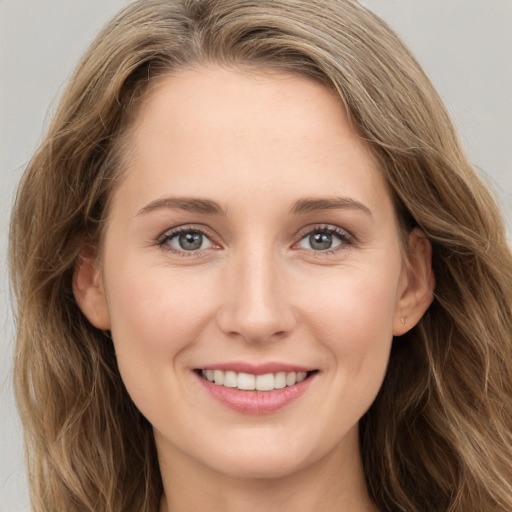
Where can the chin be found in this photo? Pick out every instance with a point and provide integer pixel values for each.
(272, 457)
(264, 467)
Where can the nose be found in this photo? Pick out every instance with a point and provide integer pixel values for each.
(256, 306)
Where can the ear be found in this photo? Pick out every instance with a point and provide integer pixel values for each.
(88, 289)
(417, 292)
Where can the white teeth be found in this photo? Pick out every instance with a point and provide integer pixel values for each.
(250, 382)
(246, 381)
(230, 380)
(265, 382)
(291, 378)
(280, 380)
(218, 377)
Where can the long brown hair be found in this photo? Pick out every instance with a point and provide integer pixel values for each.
(439, 436)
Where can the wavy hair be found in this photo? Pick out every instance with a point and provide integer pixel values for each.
(438, 437)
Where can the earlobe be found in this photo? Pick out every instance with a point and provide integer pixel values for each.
(88, 289)
(417, 294)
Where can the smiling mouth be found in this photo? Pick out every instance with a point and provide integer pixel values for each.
(250, 382)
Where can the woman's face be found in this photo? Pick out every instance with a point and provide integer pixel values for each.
(252, 241)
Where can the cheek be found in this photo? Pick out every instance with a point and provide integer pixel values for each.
(155, 315)
(155, 318)
(356, 307)
(353, 319)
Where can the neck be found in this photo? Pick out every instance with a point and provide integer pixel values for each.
(335, 483)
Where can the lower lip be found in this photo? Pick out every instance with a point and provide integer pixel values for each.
(256, 402)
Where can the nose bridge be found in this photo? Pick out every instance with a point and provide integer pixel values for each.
(256, 306)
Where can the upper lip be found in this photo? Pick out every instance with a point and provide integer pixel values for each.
(256, 368)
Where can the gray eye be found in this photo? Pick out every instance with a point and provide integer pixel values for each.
(321, 241)
(189, 241)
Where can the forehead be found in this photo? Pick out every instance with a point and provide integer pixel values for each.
(213, 130)
(233, 101)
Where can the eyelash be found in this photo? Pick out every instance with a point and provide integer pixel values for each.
(346, 239)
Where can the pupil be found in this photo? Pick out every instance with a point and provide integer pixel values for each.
(320, 241)
(191, 241)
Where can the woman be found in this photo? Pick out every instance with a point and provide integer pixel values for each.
(254, 269)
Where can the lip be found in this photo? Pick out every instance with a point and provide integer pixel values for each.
(256, 402)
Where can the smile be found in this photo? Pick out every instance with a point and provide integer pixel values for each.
(262, 389)
(250, 382)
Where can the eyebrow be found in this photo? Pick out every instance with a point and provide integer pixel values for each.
(303, 206)
(208, 207)
(188, 204)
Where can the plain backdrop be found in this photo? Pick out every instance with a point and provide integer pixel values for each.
(464, 45)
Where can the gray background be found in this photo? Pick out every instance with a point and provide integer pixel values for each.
(465, 46)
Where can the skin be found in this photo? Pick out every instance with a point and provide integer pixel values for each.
(255, 144)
